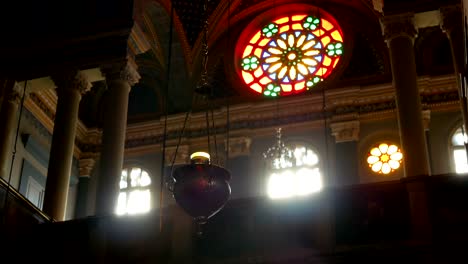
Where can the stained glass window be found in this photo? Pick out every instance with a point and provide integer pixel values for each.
(135, 195)
(290, 54)
(385, 158)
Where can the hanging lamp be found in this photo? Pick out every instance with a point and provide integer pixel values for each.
(201, 188)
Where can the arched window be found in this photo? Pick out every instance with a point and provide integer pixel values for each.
(135, 194)
(289, 53)
(459, 151)
(295, 174)
(384, 158)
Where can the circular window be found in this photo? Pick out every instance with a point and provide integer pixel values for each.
(384, 158)
(290, 53)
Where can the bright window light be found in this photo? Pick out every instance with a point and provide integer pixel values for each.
(461, 164)
(459, 152)
(135, 195)
(297, 177)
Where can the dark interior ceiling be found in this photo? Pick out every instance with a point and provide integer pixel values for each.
(367, 62)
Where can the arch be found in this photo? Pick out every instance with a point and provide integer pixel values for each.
(154, 65)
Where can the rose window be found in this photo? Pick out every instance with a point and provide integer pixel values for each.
(384, 158)
(290, 54)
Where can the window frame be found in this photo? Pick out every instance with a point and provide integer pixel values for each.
(129, 189)
(453, 148)
(293, 145)
(376, 144)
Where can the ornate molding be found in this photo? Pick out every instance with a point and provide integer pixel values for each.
(72, 80)
(124, 70)
(451, 18)
(239, 146)
(345, 131)
(401, 25)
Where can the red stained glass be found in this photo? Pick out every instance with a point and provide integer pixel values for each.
(290, 55)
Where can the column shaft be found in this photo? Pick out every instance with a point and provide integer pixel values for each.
(120, 77)
(8, 116)
(408, 102)
(399, 32)
(113, 146)
(63, 142)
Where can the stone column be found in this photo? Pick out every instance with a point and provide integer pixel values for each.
(70, 86)
(346, 136)
(399, 32)
(86, 168)
(8, 117)
(120, 77)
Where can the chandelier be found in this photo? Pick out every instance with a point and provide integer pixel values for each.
(279, 156)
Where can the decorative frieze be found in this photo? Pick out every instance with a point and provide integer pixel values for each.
(345, 131)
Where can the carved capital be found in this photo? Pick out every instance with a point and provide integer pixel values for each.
(86, 166)
(124, 71)
(13, 92)
(239, 146)
(378, 5)
(401, 25)
(426, 117)
(345, 131)
(182, 155)
(451, 18)
(72, 80)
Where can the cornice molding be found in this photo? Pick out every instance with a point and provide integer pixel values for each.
(249, 120)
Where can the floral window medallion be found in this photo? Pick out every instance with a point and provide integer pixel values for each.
(385, 158)
(289, 54)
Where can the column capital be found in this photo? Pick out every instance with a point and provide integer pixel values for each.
(426, 118)
(239, 146)
(400, 25)
(72, 80)
(345, 131)
(86, 166)
(14, 91)
(125, 70)
(451, 18)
